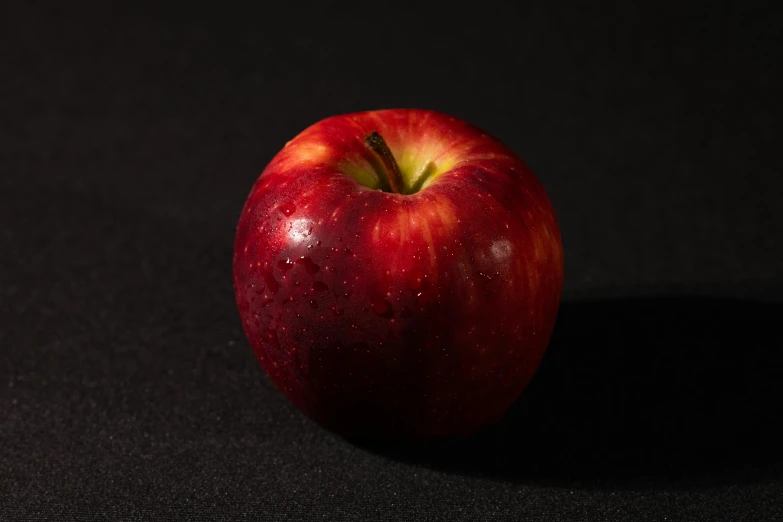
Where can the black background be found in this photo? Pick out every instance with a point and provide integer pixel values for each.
(129, 139)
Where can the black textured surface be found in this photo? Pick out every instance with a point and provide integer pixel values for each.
(130, 138)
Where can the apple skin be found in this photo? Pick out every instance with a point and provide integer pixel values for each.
(398, 316)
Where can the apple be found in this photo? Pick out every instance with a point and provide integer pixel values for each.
(398, 274)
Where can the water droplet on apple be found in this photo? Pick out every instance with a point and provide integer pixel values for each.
(287, 209)
(310, 267)
(285, 265)
(271, 282)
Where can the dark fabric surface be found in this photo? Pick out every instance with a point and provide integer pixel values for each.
(129, 139)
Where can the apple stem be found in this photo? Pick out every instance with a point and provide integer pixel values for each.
(377, 144)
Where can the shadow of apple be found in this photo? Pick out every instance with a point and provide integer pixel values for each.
(681, 388)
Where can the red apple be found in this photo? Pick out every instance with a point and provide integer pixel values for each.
(398, 274)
